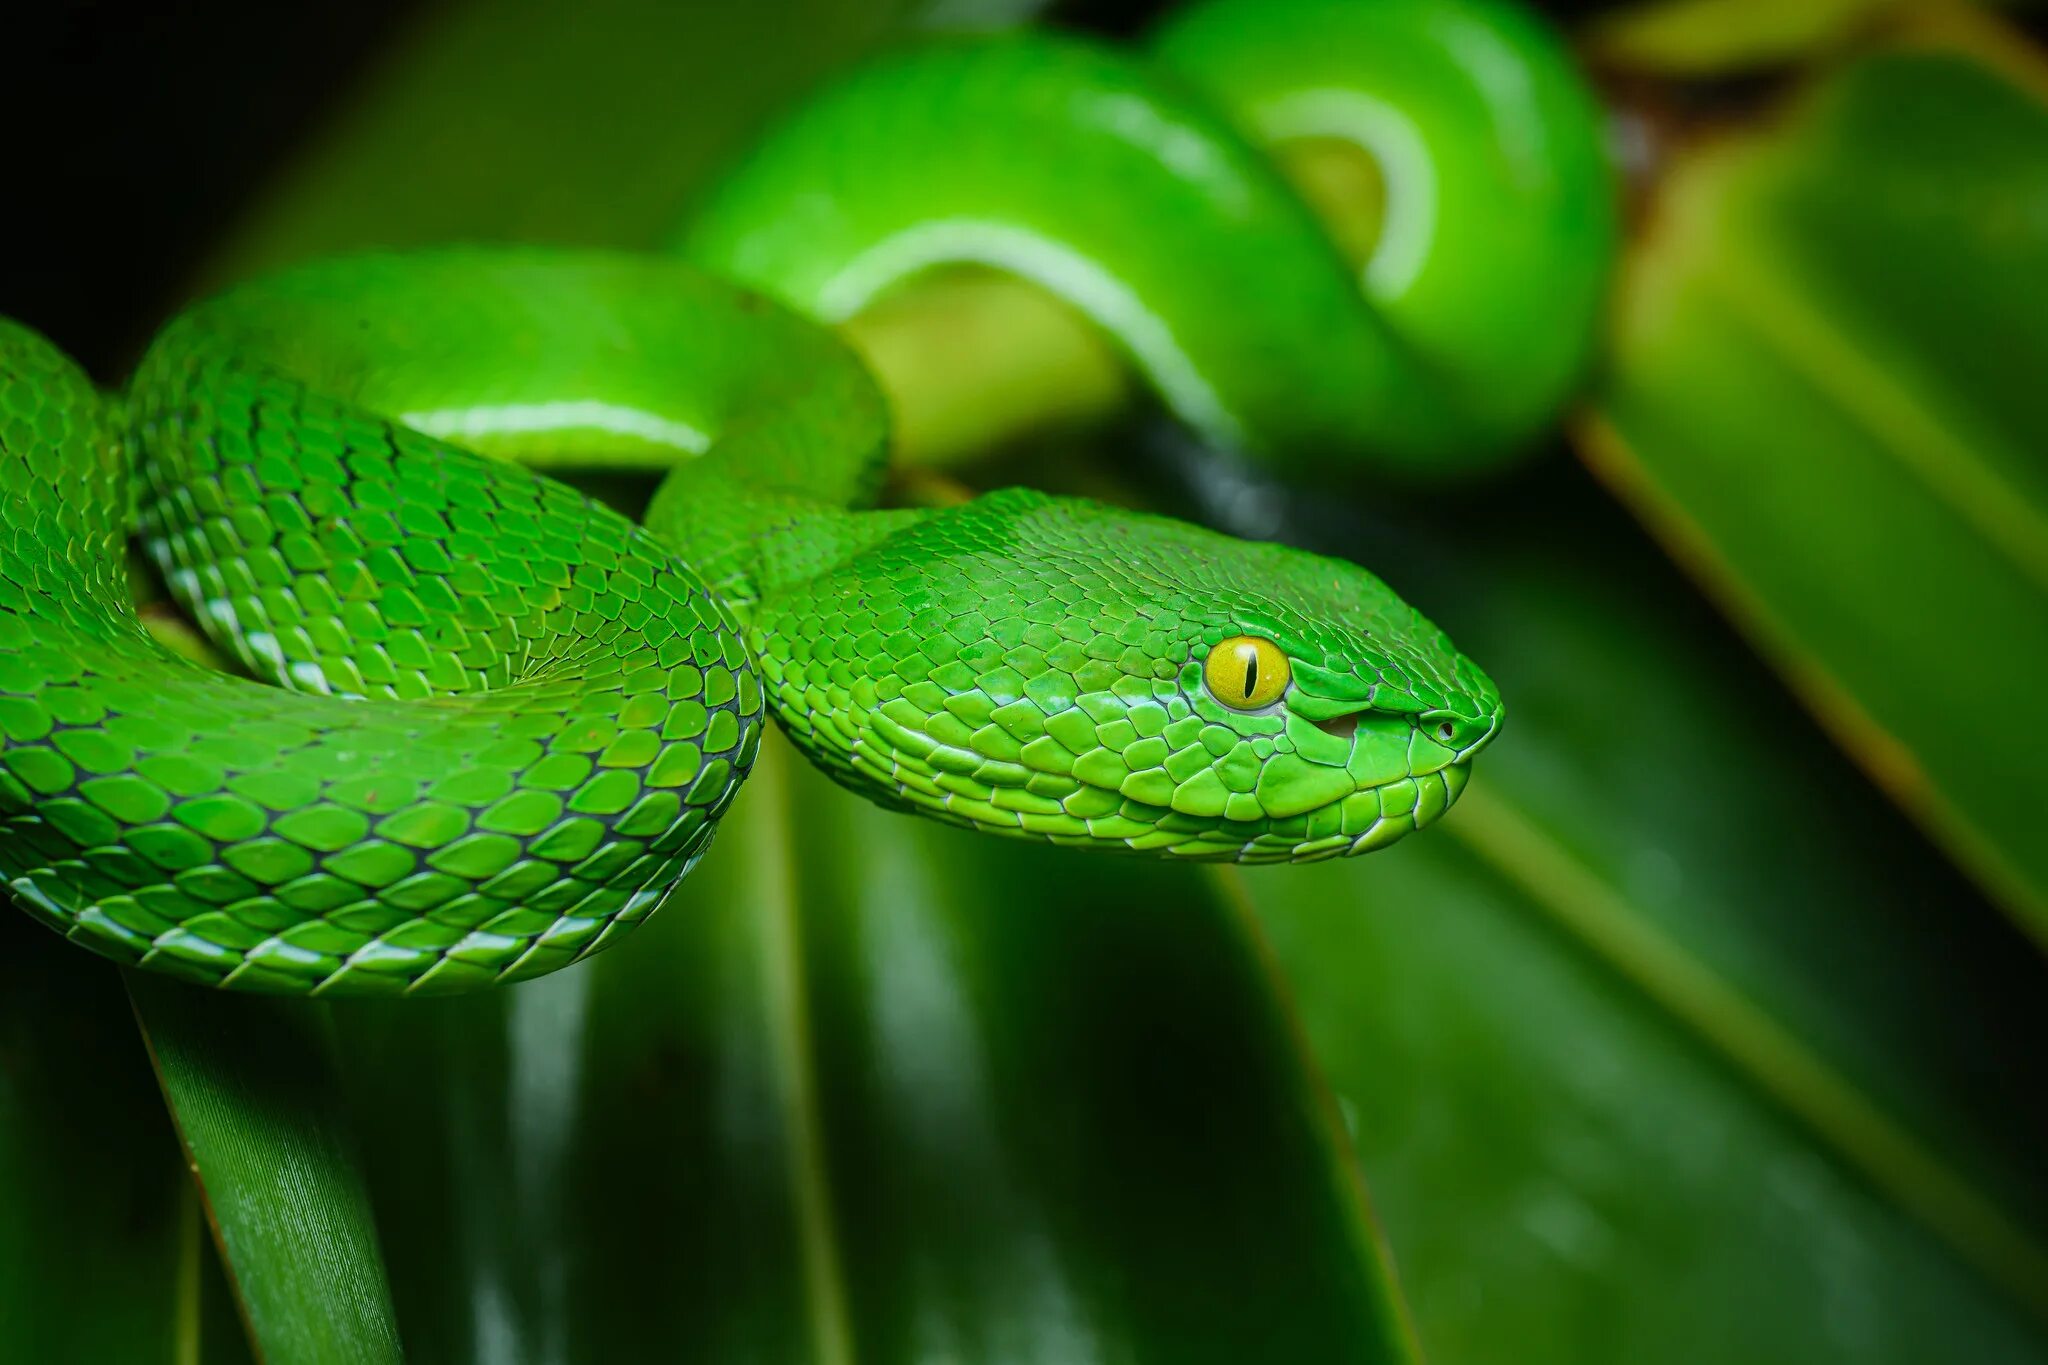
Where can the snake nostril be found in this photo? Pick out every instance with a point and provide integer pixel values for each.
(1454, 732)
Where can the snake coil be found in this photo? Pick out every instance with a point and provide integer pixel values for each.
(502, 721)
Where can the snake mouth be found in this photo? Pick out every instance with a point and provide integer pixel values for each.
(1400, 808)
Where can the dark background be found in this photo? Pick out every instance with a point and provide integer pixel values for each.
(136, 132)
(139, 130)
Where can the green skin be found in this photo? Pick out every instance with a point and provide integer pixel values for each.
(1114, 186)
(503, 721)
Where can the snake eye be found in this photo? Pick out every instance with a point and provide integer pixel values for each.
(1246, 672)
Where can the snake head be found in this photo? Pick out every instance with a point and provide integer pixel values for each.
(1058, 669)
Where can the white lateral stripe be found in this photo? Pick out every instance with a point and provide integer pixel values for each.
(1064, 271)
(1392, 140)
(519, 419)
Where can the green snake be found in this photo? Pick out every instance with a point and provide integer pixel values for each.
(493, 723)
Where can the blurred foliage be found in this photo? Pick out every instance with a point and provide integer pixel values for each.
(872, 1090)
(1675, 1043)
(1824, 393)
(104, 1254)
(1711, 37)
(527, 120)
(1667, 1022)
(99, 1246)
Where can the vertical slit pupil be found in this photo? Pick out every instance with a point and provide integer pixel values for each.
(1251, 671)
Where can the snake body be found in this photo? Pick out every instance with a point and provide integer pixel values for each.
(1143, 193)
(494, 723)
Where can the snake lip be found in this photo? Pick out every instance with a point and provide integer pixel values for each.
(1343, 727)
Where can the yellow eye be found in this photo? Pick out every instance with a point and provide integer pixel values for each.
(1246, 672)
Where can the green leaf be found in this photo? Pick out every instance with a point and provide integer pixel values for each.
(1672, 1042)
(99, 1256)
(104, 1255)
(257, 1103)
(872, 1089)
(1825, 397)
(532, 121)
(1714, 37)
(1047, 1072)
(595, 1166)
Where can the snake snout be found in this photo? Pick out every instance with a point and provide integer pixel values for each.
(1462, 735)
